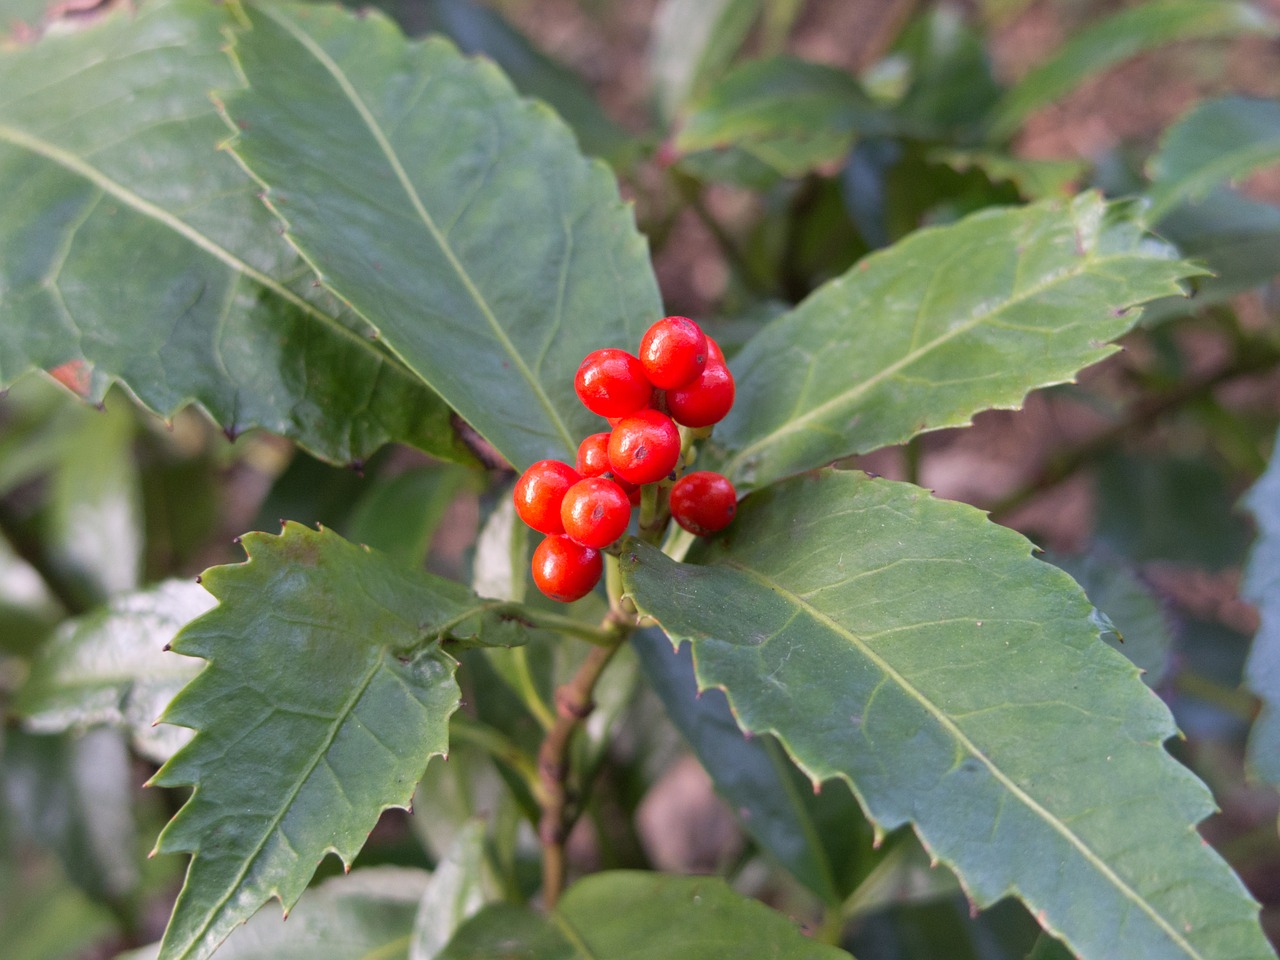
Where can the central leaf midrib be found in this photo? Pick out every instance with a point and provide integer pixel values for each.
(272, 827)
(940, 716)
(77, 165)
(406, 184)
(800, 422)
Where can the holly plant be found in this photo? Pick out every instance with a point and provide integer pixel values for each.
(410, 277)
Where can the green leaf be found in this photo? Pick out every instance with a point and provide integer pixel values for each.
(1217, 142)
(947, 322)
(914, 649)
(790, 114)
(110, 666)
(134, 247)
(401, 514)
(74, 796)
(327, 691)
(818, 837)
(952, 86)
(1116, 38)
(95, 500)
(1262, 587)
(1035, 179)
(457, 218)
(367, 915)
(1236, 238)
(625, 915)
(43, 916)
(1142, 630)
(460, 885)
(693, 41)
(1175, 509)
(478, 29)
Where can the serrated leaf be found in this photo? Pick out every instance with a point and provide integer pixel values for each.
(1119, 37)
(1216, 143)
(691, 43)
(367, 915)
(947, 322)
(458, 219)
(1235, 237)
(1262, 587)
(326, 692)
(630, 915)
(1139, 627)
(818, 837)
(916, 650)
(132, 249)
(790, 114)
(110, 666)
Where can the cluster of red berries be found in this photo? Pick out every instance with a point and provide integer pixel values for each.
(680, 377)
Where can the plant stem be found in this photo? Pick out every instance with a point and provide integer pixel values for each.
(574, 704)
(546, 620)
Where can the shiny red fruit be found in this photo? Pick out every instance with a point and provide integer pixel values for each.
(612, 383)
(595, 512)
(644, 448)
(673, 352)
(539, 492)
(706, 400)
(593, 455)
(703, 502)
(564, 570)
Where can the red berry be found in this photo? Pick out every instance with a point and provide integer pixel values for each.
(673, 352)
(593, 455)
(565, 570)
(595, 512)
(540, 490)
(703, 502)
(706, 400)
(644, 448)
(714, 353)
(612, 383)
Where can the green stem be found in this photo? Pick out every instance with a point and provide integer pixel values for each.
(529, 690)
(546, 620)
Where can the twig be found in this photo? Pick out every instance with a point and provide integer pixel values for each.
(574, 704)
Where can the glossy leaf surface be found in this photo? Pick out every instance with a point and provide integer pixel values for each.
(326, 693)
(457, 218)
(1116, 38)
(1262, 587)
(683, 918)
(1216, 143)
(943, 324)
(110, 666)
(916, 650)
(132, 248)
